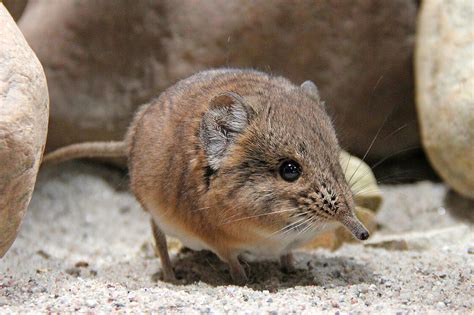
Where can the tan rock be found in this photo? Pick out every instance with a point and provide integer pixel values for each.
(362, 181)
(101, 69)
(23, 126)
(445, 89)
(334, 239)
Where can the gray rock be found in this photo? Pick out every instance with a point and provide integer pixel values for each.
(23, 126)
(445, 85)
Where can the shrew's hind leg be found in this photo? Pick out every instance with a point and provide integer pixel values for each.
(237, 272)
(162, 247)
(287, 263)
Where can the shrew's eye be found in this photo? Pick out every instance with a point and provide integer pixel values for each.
(290, 170)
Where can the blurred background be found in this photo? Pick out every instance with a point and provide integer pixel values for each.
(103, 59)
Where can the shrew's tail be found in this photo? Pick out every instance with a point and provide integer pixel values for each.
(87, 150)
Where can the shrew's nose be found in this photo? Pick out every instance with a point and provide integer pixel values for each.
(356, 227)
(363, 235)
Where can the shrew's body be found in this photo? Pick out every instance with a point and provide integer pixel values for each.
(238, 162)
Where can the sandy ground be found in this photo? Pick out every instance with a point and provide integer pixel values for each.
(86, 246)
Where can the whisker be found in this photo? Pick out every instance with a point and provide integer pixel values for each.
(311, 226)
(375, 138)
(375, 165)
(384, 180)
(289, 226)
(347, 165)
(200, 209)
(260, 215)
(399, 129)
(381, 161)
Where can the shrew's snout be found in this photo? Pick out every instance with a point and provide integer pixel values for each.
(355, 227)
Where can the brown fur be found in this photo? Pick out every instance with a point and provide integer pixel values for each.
(232, 207)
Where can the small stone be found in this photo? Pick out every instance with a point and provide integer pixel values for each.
(3, 301)
(82, 264)
(91, 303)
(76, 272)
(43, 254)
(364, 290)
(395, 244)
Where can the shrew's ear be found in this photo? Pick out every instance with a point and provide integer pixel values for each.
(311, 89)
(227, 116)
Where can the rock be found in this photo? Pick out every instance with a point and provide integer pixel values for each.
(101, 69)
(74, 271)
(23, 126)
(418, 241)
(3, 301)
(444, 89)
(334, 239)
(91, 303)
(362, 181)
(390, 244)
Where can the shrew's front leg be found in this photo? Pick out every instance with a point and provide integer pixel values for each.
(287, 263)
(237, 272)
(162, 247)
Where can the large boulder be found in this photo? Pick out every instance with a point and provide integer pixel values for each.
(23, 126)
(445, 89)
(105, 58)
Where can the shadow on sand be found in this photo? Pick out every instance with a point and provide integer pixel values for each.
(191, 267)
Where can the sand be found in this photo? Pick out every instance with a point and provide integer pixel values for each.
(86, 246)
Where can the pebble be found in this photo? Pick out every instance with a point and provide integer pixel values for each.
(81, 264)
(76, 272)
(91, 303)
(364, 289)
(3, 301)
